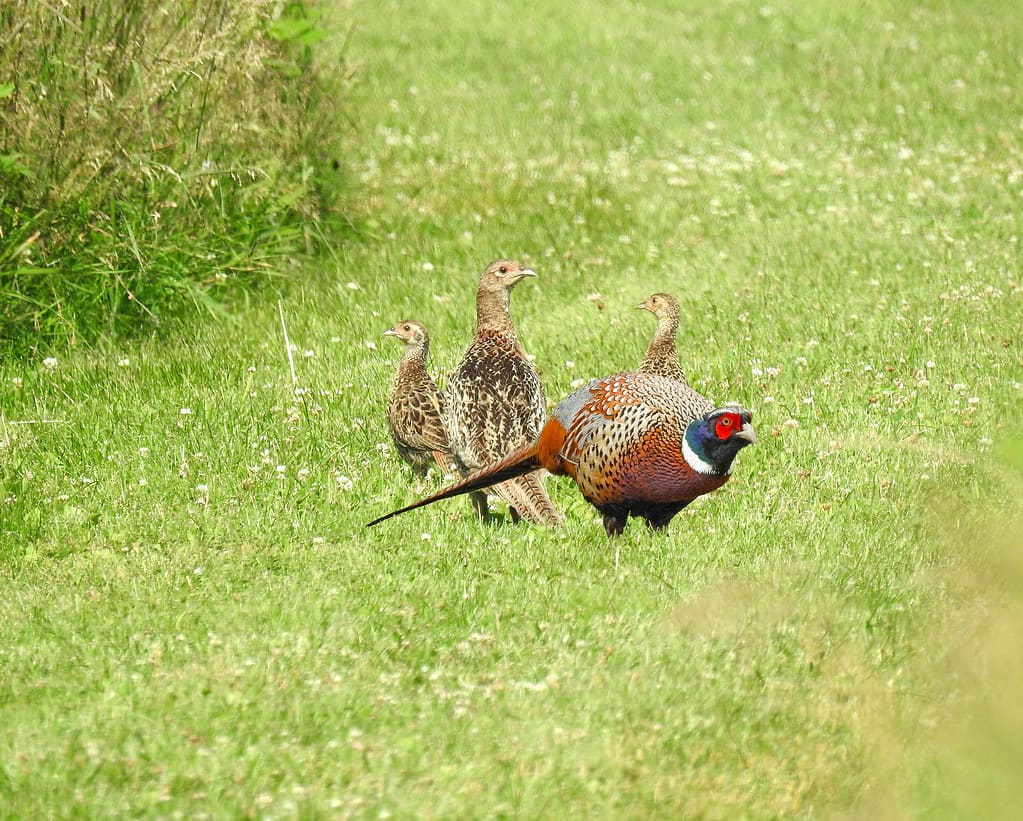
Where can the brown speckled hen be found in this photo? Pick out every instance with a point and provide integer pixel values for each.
(494, 399)
(415, 405)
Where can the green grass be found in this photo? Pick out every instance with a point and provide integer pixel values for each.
(156, 165)
(194, 620)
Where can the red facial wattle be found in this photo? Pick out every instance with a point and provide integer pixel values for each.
(727, 424)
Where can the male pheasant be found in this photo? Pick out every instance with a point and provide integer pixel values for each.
(636, 444)
(661, 357)
(415, 405)
(495, 402)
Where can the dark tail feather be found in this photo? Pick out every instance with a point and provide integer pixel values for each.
(515, 464)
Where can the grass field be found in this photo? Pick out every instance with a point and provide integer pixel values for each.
(195, 622)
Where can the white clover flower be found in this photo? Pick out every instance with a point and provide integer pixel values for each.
(427, 266)
(345, 483)
(352, 286)
(50, 363)
(123, 362)
(16, 381)
(185, 411)
(308, 353)
(767, 400)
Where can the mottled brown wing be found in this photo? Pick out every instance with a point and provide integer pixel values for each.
(495, 401)
(415, 416)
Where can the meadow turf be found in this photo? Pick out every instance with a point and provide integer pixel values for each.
(195, 622)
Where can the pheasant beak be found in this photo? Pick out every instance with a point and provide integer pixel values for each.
(390, 332)
(747, 433)
(527, 272)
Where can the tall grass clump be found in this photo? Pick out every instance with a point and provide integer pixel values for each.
(151, 157)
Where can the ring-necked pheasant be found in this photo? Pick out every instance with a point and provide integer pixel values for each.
(661, 357)
(415, 405)
(494, 399)
(635, 444)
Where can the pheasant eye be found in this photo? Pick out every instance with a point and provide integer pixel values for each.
(724, 426)
(503, 269)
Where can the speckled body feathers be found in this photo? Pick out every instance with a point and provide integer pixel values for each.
(415, 405)
(495, 402)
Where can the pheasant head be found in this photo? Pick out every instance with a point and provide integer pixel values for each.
(410, 332)
(663, 306)
(712, 441)
(504, 273)
(492, 298)
(415, 337)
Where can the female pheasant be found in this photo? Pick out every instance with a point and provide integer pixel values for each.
(661, 357)
(636, 444)
(415, 405)
(495, 401)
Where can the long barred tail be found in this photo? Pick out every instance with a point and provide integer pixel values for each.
(529, 497)
(515, 464)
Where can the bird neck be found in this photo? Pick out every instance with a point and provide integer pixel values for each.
(667, 332)
(704, 453)
(492, 311)
(415, 355)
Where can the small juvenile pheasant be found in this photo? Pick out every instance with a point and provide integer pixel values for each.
(415, 405)
(495, 402)
(635, 444)
(661, 357)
